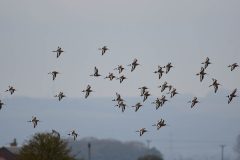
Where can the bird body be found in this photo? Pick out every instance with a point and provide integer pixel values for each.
(95, 74)
(120, 68)
(110, 76)
(59, 51)
(121, 78)
(215, 84)
(60, 96)
(103, 49)
(10, 89)
(54, 74)
(232, 95)
(168, 67)
(160, 124)
(137, 106)
(146, 95)
(233, 66)
(34, 121)
(87, 91)
(1, 104)
(201, 74)
(74, 134)
(159, 72)
(134, 64)
(141, 131)
(194, 102)
(164, 86)
(206, 63)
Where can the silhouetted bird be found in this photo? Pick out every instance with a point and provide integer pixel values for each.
(201, 74)
(168, 67)
(59, 51)
(54, 74)
(173, 92)
(110, 76)
(119, 68)
(206, 63)
(34, 121)
(55, 133)
(121, 78)
(60, 96)
(95, 74)
(74, 134)
(162, 100)
(141, 131)
(194, 101)
(118, 98)
(232, 95)
(143, 90)
(121, 105)
(146, 95)
(10, 89)
(134, 64)
(87, 91)
(215, 84)
(164, 86)
(157, 103)
(159, 72)
(137, 106)
(233, 66)
(160, 124)
(103, 49)
(1, 104)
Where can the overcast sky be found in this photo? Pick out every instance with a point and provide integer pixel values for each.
(153, 31)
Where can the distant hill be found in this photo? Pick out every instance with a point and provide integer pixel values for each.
(110, 149)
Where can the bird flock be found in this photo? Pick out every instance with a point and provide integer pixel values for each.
(144, 90)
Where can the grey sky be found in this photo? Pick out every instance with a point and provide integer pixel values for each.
(153, 31)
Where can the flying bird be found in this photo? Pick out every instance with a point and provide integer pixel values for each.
(95, 74)
(232, 95)
(54, 74)
(143, 90)
(201, 74)
(164, 86)
(120, 68)
(118, 97)
(159, 71)
(10, 89)
(87, 91)
(168, 67)
(110, 76)
(215, 84)
(134, 64)
(1, 104)
(233, 66)
(74, 134)
(146, 95)
(59, 51)
(34, 121)
(55, 133)
(103, 49)
(206, 63)
(173, 92)
(141, 131)
(121, 105)
(137, 106)
(160, 124)
(194, 101)
(60, 96)
(158, 103)
(121, 78)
